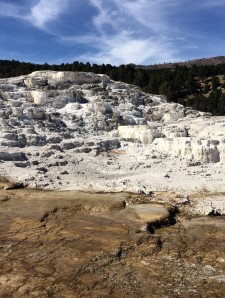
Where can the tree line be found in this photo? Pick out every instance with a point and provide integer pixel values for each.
(201, 87)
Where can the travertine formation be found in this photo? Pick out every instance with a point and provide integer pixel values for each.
(76, 130)
(82, 131)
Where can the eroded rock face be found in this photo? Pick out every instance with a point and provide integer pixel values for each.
(78, 117)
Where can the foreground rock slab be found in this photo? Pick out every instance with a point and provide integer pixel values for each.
(76, 244)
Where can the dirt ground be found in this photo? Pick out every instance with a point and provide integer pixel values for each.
(74, 244)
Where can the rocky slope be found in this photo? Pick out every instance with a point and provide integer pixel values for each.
(72, 130)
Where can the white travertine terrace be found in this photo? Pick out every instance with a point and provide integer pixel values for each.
(72, 130)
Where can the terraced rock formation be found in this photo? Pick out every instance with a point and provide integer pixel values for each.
(81, 131)
(71, 130)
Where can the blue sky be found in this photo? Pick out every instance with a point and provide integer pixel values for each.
(111, 31)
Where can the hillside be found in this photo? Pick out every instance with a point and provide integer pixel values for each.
(198, 62)
(84, 131)
(200, 86)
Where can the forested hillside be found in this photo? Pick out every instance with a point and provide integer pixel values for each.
(202, 87)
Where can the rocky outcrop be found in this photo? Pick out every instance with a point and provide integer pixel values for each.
(143, 133)
(206, 151)
(55, 117)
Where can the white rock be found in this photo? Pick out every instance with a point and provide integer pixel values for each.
(143, 133)
(39, 97)
(107, 134)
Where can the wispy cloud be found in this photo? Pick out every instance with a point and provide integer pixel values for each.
(119, 32)
(105, 15)
(10, 10)
(136, 35)
(39, 14)
(123, 49)
(46, 11)
(151, 14)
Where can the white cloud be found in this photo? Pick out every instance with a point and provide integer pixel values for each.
(119, 31)
(39, 14)
(105, 16)
(151, 14)
(46, 11)
(129, 43)
(128, 31)
(123, 49)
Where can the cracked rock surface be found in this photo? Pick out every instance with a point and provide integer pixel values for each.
(76, 244)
